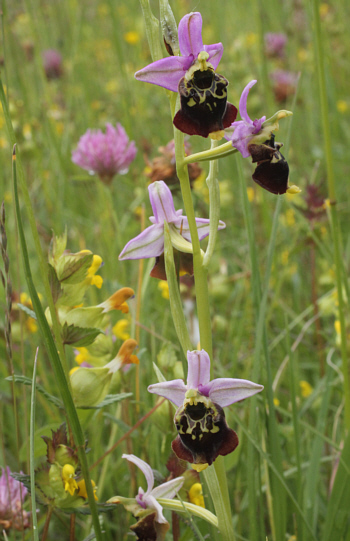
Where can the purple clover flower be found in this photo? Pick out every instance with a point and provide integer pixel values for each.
(167, 72)
(150, 243)
(203, 433)
(243, 131)
(105, 154)
(12, 494)
(275, 43)
(52, 61)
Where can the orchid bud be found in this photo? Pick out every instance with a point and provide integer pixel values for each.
(169, 28)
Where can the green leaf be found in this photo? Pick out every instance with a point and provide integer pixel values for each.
(79, 336)
(110, 399)
(74, 268)
(27, 381)
(27, 310)
(55, 286)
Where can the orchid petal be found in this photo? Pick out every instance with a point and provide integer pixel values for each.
(165, 72)
(215, 53)
(152, 503)
(190, 35)
(198, 369)
(145, 468)
(168, 489)
(162, 202)
(243, 102)
(226, 391)
(150, 243)
(174, 390)
(203, 227)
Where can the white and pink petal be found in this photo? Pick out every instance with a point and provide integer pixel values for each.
(174, 390)
(190, 35)
(149, 243)
(162, 202)
(198, 369)
(146, 470)
(226, 391)
(165, 72)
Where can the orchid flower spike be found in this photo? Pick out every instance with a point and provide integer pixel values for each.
(203, 433)
(150, 243)
(204, 108)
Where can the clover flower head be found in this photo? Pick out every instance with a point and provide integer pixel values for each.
(241, 132)
(148, 499)
(12, 494)
(203, 433)
(167, 72)
(284, 83)
(275, 43)
(105, 154)
(52, 61)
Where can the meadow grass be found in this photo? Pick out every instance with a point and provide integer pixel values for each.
(274, 278)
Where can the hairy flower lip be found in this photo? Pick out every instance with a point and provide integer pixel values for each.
(167, 72)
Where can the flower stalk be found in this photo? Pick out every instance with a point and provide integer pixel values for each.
(214, 206)
(215, 476)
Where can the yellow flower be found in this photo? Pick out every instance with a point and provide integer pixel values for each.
(82, 489)
(118, 300)
(251, 39)
(31, 325)
(125, 353)
(196, 495)
(251, 194)
(4, 142)
(83, 355)
(324, 10)
(27, 131)
(70, 484)
(132, 37)
(95, 265)
(305, 388)
(290, 217)
(120, 329)
(342, 106)
(163, 286)
(337, 327)
(302, 55)
(285, 257)
(276, 402)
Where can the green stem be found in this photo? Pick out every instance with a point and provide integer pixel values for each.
(214, 153)
(200, 272)
(31, 450)
(215, 475)
(214, 206)
(319, 55)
